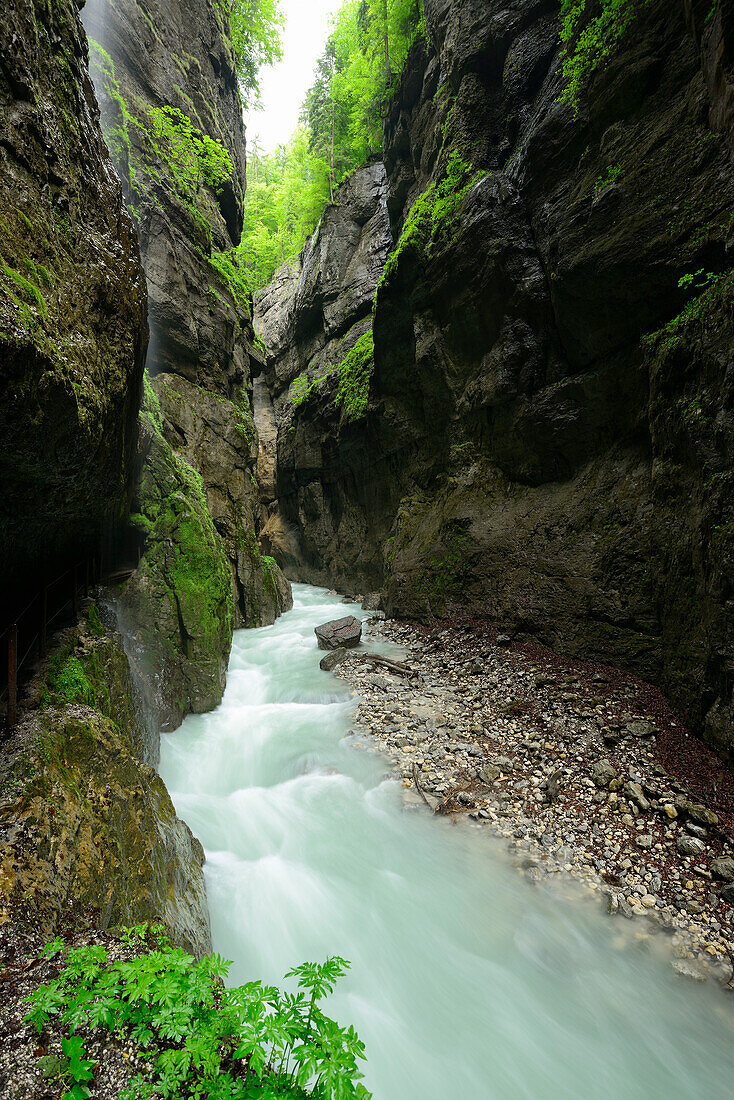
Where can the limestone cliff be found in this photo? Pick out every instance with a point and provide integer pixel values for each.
(165, 76)
(548, 433)
(316, 311)
(72, 308)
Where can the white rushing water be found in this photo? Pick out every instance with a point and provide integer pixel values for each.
(467, 982)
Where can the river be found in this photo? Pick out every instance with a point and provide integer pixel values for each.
(467, 982)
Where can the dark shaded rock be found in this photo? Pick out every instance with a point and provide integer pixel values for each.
(550, 425)
(373, 601)
(331, 660)
(723, 868)
(696, 812)
(727, 894)
(72, 309)
(339, 632)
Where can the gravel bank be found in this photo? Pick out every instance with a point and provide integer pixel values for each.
(582, 768)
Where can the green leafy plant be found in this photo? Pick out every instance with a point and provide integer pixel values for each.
(201, 1040)
(697, 280)
(611, 174)
(590, 31)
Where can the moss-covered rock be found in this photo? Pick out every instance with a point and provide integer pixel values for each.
(83, 819)
(178, 604)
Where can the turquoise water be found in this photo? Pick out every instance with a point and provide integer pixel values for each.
(467, 982)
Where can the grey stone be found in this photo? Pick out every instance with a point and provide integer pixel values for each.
(602, 773)
(723, 868)
(339, 632)
(690, 846)
(331, 660)
(640, 728)
(633, 793)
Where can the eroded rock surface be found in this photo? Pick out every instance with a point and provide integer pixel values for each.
(201, 456)
(72, 308)
(548, 434)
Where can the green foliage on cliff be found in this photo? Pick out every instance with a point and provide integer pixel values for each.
(229, 267)
(434, 216)
(192, 158)
(199, 1038)
(341, 128)
(157, 146)
(354, 378)
(590, 31)
(255, 28)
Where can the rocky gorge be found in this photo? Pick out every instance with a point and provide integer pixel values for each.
(493, 391)
(544, 439)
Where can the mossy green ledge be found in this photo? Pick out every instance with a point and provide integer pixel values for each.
(84, 820)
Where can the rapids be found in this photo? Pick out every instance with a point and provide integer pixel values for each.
(467, 982)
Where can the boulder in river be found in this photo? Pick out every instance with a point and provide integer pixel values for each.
(331, 660)
(345, 632)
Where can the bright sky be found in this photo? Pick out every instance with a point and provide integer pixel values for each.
(284, 86)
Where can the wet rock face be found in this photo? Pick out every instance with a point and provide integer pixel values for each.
(315, 461)
(550, 411)
(200, 453)
(72, 306)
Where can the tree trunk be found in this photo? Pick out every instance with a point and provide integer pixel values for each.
(388, 70)
(331, 167)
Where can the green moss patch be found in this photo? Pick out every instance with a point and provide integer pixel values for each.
(434, 217)
(354, 378)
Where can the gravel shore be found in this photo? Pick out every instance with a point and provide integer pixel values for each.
(582, 768)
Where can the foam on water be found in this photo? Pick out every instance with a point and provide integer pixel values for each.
(467, 982)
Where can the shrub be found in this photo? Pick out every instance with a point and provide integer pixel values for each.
(202, 1040)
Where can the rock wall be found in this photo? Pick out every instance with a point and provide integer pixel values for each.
(197, 504)
(72, 308)
(314, 466)
(83, 820)
(549, 430)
